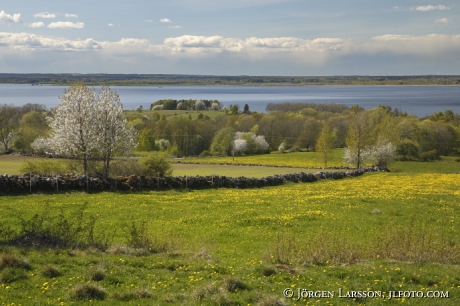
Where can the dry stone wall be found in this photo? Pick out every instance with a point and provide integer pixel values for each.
(14, 184)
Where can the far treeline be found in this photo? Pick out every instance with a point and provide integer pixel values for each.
(199, 80)
(375, 136)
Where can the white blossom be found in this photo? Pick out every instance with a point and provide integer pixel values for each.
(382, 153)
(215, 106)
(89, 124)
(41, 145)
(158, 107)
(199, 105)
(240, 145)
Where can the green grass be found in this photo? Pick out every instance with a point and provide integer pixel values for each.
(381, 231)
(10, 164)
(447, 164)
(234, 171)
(295, 159)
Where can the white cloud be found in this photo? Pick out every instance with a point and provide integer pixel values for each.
(7, 18)
(66, 25)
(426, 8)
(442, 21)
(27, 41)
(165, 20)
(290, 51)
(36, 25)
(111, 25)
(45, 15)
(175, 27)
(70, 16)
(150, 20)
(398, 7)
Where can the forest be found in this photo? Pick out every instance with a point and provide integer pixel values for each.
(201, 128)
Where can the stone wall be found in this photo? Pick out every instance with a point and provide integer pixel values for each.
(26, 183)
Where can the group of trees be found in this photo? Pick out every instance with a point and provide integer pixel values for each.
(370, 136)
(20, 126)
(91, 125)
(170, 104)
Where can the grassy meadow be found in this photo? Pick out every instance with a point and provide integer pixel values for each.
(381, 232)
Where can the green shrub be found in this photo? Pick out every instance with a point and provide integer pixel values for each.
(46, 166)
(430, 155)
(157, 165)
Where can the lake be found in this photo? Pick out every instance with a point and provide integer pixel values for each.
(417, 100)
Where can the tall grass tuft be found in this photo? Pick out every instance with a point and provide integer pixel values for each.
(88, 292)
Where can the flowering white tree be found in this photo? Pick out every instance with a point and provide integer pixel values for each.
(240, 145)
(199, 105)
(261, 144)
(252, 143)
(353, 156)
(215, 106)
(113, 137)
(74, 124)
(41, 145)
(89, 124)
(382, 153)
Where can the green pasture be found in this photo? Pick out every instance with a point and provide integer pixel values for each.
(379, 232)
(294, 159)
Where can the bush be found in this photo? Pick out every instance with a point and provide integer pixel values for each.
(205, 153)
(430, 155)
(49, 167)
(157, 165)
(126, 167)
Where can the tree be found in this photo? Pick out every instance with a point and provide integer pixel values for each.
(9, 118)
(407, 148)
(32, 125)
(325, 143)
(382, 153)
(359, 137)
(222, 142)
(146, 141)
(88, 124)
(114, 138)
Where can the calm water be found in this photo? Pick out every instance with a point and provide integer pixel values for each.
(417, 100)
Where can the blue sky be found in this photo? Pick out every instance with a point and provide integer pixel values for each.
(237, 37)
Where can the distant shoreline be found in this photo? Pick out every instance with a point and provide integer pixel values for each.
(163, 80)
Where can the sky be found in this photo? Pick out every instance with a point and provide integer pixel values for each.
(231, 37)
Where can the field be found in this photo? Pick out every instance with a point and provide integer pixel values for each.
(11, 165)
(379, 233)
